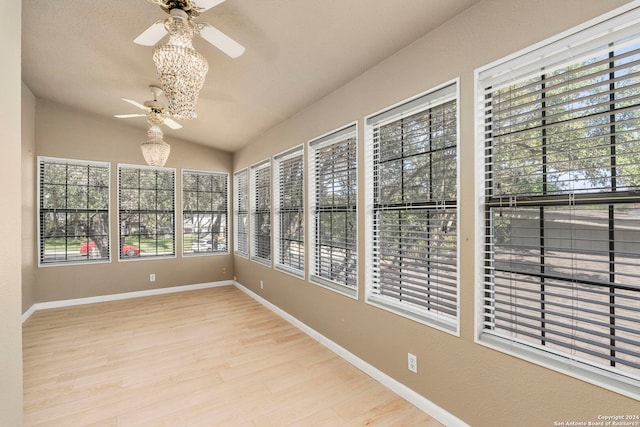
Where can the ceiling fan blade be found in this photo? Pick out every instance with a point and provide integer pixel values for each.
(220, 40)
(128, 116)
(152, 35)
(205, 5)
(172, 123)
(135, 103)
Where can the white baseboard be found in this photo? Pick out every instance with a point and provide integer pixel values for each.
(126, 295)
(28, 313)
(392, 384)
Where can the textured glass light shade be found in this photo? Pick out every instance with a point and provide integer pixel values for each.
(181, 70)
(155, 150)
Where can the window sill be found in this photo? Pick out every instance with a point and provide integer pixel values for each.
(351, 292)
(292, 271)
(598, 376)
(444, 324)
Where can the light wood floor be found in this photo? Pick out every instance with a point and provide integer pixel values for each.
(213, 357)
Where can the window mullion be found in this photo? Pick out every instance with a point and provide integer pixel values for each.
(545, 177)
(611, 211)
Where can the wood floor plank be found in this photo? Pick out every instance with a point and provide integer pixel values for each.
(212, 357)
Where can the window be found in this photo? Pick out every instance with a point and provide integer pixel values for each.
(204, 212)
(261, 212)
(73, 211)
(561, 150)
(412, 213)
(333, 215)
(289, 214)
(241, 212)
(146, 198)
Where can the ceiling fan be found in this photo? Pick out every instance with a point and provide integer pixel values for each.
(185, 11)
(156, 113)
(154, 149)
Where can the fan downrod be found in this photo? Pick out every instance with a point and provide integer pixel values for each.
(185, 5)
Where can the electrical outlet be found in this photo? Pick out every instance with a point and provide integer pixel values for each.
(261, 284)
(152, 277)
(224, 269)
(412, 362)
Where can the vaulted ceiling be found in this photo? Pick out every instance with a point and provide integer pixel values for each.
(81, 54)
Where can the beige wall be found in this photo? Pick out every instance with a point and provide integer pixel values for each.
(29, 236)
(10, 289)
(481, 386)
(64, 132)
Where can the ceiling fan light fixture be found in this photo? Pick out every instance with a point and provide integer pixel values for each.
(180, 68)
(154, 149)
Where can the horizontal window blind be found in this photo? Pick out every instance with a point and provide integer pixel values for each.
(204, 212)
(333, 204)
(73, 211)
(556, 132)
(579, 46)
(565, 279)
(417, 258)
(289, 215)
(261, 212)
(414, 209)
(562, 200)
(146, 215)
(241, 212)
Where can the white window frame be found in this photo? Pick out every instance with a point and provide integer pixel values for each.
(214, 250)
(584, 39)
(331, 138)
(244, 173)
(432, 98)
(64, 161)
(252, 212)
(175, 216)
(278, 235)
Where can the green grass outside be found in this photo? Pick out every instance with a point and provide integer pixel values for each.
(146, 245)
(52, 244)
(150, 245)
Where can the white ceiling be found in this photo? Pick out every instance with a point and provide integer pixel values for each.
(81, 53)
